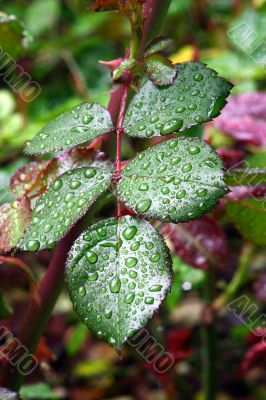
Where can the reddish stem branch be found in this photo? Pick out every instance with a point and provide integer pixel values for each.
(119, 133)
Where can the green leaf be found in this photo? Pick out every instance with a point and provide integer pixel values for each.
(40, 391)
(76, 339)
(73, 127)
(117, 276)
(177, 180)
(64, 202)
(197, 95)
(247, 177)
(158, 44)
(34, 13)
(14, 218)
(249, 217)
(13, 38)
(160, 70)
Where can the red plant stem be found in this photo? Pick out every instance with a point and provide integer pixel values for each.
(119, 133)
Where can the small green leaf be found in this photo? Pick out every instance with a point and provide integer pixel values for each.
(5, 309)
(15, 217)
(160, 70)
(197, 95)
(71, 128)
(76, 339)
(13, 38)
(64, 202)
(40, 391)
(249, 217)
(117, 276)
(177, 180)
(246, 177)
(158, 44)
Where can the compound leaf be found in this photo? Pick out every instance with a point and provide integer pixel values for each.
(249, 217)
(160, 70)
(177, 180)
(117, 276)
(63, 203)
(197, 95)
(15, 217)
(71, 128)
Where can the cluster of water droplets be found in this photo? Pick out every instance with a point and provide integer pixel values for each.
(117, 276)
(190, 100)
(73, 127)
(176, 180)
(63, 203)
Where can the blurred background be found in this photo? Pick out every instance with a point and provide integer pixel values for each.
(59, 44)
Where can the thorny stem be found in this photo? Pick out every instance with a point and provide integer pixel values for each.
(37, 316)
(119, 133)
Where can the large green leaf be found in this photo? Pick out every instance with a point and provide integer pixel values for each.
(177, 180)
(14, 218)
(197, 95)
(64, 202)
(117, 276)
(249, 217)
(13, 38)
(73, 127)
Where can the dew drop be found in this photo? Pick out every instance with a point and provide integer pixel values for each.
(180, 194)
(131, 262)
(143, 187)
(155, 288)
(33, 245)
(115, 285)
(74, 184)
(171, 126)
(90, 172)
(108, 313)
(143, 206)
(91, 256)
(201, 192)
(193, 149)
(129, 298)
(82, 291)
(93, 276)
(87, 119)
(57, 184)
(149, 300)
(155, 257)
(130, 232)
(198, 77)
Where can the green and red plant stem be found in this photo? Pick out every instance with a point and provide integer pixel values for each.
(239, 278)
(37, 315)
